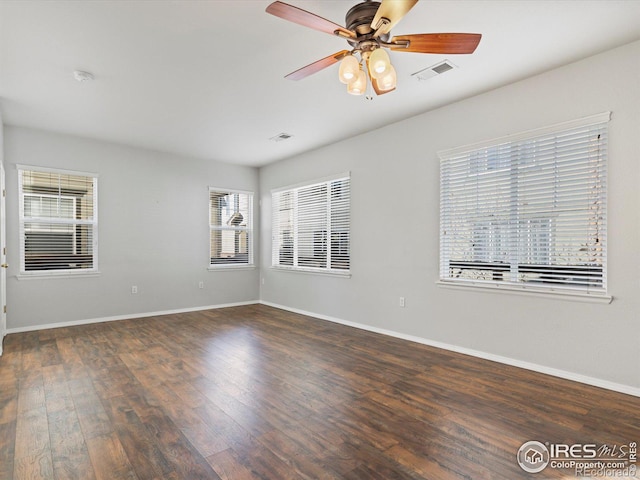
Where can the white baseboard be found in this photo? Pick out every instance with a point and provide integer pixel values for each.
(576, 377)
(126, 317)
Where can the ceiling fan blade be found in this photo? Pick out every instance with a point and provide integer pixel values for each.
(317, 66)
(389, 14)
(449, 43)
(308, 19)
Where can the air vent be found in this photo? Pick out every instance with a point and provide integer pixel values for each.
(434, 70)
(443, 67)
(280, 137)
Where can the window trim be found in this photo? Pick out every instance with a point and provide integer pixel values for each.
(565, 294)
(325, 271)
(548, 291)
(57, 273)
(250, 265)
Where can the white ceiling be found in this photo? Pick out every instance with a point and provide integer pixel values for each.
(206, 78)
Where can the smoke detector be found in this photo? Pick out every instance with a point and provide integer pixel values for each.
(82, 76)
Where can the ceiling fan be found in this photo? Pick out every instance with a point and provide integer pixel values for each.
(368, 26)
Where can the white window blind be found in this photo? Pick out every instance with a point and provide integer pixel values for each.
(311, 226)
(528, 210)
(58, 221)
(230, 228)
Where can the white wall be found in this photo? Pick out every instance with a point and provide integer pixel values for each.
(153, 232)
(395, 181)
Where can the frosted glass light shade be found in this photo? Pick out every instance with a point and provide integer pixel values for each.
(389, 81)
(379, 63)
(360, 85)
(349, 68)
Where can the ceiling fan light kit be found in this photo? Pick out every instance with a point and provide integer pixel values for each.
(388, 82)
(358, 86)
(381, 72)
(379, 63)
(349, 68)
(367, 31)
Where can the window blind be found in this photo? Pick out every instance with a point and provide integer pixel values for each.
(529, 210)
(230, 227)
(58, 221)
(311, 226)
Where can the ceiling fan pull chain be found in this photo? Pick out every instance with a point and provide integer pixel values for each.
(369, 94)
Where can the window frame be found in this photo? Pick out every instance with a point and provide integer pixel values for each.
(233, 265)
(534, 218)
(23, 220)
(340, 230)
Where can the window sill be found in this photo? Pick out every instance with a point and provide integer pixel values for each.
(557, 294)
(222, 268)
(41, 275)
(309, 271)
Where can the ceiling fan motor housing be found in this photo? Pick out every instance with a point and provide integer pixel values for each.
(359, 18)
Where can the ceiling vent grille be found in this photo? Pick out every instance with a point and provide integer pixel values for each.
(434, 70)
(281, 137)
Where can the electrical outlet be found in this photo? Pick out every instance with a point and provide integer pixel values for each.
(262, 280)
(134, 289)
(201, 284)
(401, 302)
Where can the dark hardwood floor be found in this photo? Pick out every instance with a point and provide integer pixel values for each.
(256, 392)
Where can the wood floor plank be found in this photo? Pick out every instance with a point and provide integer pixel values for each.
(32, 454)
(144, 454)
(188, 393)
(56, 391)
(30, 391)
(8, 400)
(263, 463)
(253, 421)
(35, 466)
(187, 462)
(70, 455)
(91, 414)
(254, 392)
(206, 438)
(30, 358)
(110, 462)
(298, 458)
(7, 448)
(67, 351)
(228, 467)
(49, 354)
(113, 382)
(423, 465)
(10, 362)
(230, 432)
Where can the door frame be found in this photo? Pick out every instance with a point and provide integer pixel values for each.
(3, 258)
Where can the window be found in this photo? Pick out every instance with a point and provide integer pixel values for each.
(58, 221)
(230, 227)
(528, 210)
(311, 226)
